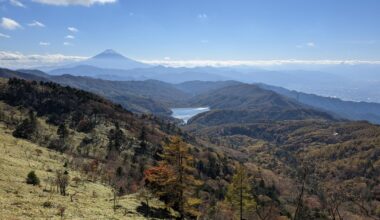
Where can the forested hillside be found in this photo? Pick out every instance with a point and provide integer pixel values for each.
(246, 103)
(337, 164)
(129, 153)
(309, 167)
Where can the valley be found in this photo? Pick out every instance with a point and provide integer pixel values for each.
(185, 114)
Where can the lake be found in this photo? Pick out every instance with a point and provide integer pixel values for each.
(186, 113)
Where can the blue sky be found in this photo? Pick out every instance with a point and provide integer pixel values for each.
(194, 29)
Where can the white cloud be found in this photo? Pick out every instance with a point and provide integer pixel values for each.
(36, 24)
(72, 29)
(10, 59)
(67, 44)
(308, 44)
(4, 36)
(44, 43)
(17, 3)
(9, 24)
(74, 2)
(70, 37)
(202, 16)
(258, 63)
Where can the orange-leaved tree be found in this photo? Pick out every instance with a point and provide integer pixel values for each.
(174, 179)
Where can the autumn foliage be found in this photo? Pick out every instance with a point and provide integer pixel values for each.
(173, 180)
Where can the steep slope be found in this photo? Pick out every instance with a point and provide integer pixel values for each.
(86, 198)
(107, 143)
(248, 103)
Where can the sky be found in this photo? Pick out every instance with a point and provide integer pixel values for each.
(182, 31)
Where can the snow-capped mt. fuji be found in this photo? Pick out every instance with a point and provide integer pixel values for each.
(108, 64)
(109, 54)
(110, 59)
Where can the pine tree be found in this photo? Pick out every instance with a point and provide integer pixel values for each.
(62, 131)
(116, 138)
(173, 179)
(239, 193)
(32, 178)
(27, 127)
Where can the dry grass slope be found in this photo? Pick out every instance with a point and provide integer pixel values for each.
(19, 200)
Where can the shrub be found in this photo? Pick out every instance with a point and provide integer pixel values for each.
(27, 127)
(85, 125)
(32, 178)
(58, 145)
(47, 204)
(61, 211)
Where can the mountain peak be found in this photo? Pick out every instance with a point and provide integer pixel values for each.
(109, 53)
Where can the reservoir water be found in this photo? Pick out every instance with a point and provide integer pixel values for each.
(186, 113)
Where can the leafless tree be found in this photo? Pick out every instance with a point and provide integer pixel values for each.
(62, 181)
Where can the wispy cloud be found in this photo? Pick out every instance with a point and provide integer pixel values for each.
(44, 43)
(36, 24)
(258, 63)
(307, 45)
(72, 29)
(70, 37)
(9, 24)
(67, 43)
(11, 59)
(74, 2)
(202, 16)
(4, 36)
(310, 44)
(17, 3)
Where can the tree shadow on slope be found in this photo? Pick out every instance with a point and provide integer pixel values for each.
(153, 212)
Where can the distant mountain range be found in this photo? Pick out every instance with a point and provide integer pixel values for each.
(344, 81)
(152, 96)
(110, 65)
(144, 88)
(346, 109)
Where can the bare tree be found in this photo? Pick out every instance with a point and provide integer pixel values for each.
(62, 181)
(332, 198)
(265, 212)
